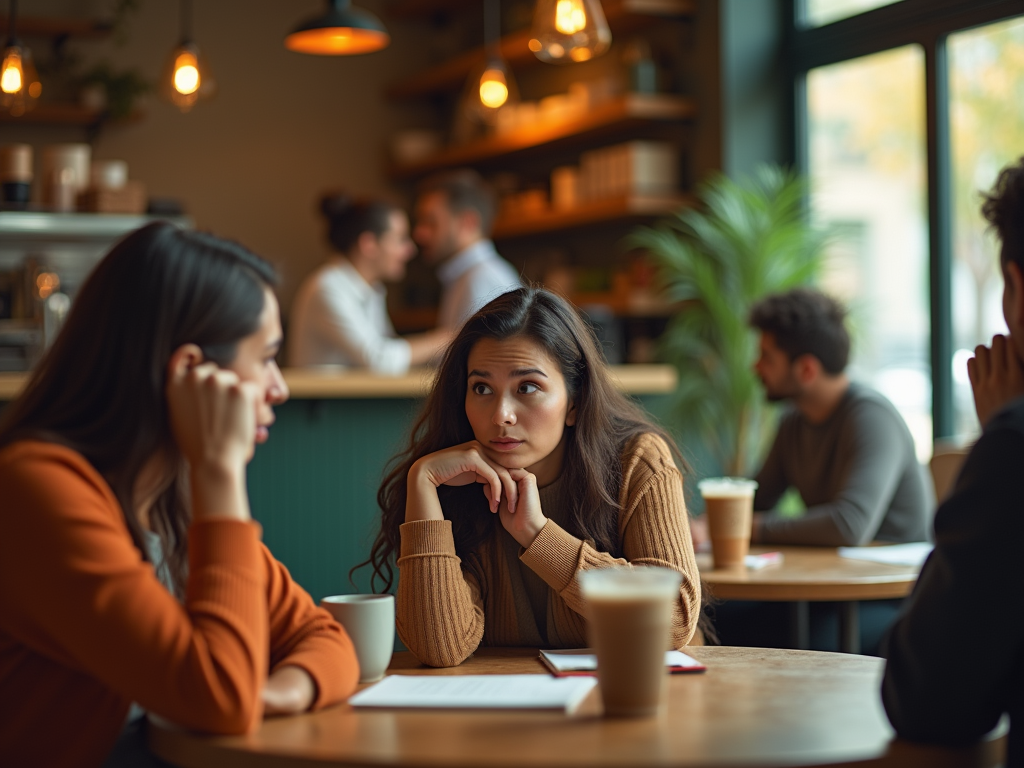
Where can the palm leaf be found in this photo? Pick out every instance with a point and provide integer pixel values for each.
(746, 240)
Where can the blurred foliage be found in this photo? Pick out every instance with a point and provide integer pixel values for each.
(122, 89)
(748, 239)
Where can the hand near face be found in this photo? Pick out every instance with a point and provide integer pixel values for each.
(997, 377)
(212, 414)
(459, 465)
(528, 518)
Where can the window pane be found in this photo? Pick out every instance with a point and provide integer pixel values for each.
(986, 80)
(867, 168)
(817, 13)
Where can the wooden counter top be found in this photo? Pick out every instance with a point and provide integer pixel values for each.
(312, 384)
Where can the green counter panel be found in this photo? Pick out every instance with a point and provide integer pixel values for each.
(313, 485)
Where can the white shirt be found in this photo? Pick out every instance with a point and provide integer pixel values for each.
(471, 278)
(340, 319)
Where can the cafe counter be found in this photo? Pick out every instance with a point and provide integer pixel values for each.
(313, 485)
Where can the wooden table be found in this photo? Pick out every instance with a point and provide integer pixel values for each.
(812, 574)
(753, 707)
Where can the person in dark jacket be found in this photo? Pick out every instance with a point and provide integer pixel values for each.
(956, 655)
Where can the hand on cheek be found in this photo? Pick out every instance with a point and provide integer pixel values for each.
(528, 519)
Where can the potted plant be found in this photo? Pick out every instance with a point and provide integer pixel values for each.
(745, 240)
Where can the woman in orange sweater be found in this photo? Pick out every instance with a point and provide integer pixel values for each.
(524, 423)
(132, 577)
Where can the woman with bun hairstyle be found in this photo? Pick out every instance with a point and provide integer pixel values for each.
(340, 315)
(132, 577)
(526, 467)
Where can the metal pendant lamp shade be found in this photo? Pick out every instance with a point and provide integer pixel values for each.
(342, 31)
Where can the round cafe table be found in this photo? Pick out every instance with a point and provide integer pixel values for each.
(753, 707)
(811, 574)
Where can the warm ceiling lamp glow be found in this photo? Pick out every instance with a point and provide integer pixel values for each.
(341, 31)
(569, 30)
(12, 78)
(493, 88)
(570, 17)
(186, 73)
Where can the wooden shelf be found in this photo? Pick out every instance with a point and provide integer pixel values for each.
(39, 26)
(617, 116)
(64, 114)
(623, 17)
(617, 209)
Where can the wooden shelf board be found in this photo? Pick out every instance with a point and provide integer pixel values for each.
(65, 114)
(623, 16)
(618, 115)
(610, 210)
(53, 26)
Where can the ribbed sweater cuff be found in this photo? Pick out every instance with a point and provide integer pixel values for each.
(232, 543)
(554, 555)
(427, 537)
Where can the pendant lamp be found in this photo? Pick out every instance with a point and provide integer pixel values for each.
(566, 31)
(342, 31)
(491, 86)
(186, 77)
(19, 84)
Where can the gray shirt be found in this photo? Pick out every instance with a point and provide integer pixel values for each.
(857, 473)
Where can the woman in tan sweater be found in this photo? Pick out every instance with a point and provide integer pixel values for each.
(526, 467)
(131, 575)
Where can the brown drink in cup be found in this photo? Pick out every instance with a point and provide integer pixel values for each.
(729, 504)
(629, 620)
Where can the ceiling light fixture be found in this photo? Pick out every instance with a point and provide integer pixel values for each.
(342, 31)
(186, 79)
(19, 84)
(567, 31)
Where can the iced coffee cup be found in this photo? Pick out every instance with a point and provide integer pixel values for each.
(729, 504)
(629, 618)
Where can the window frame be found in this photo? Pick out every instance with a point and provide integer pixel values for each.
(927, 23)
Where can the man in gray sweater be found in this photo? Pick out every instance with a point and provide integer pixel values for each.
(843, 446)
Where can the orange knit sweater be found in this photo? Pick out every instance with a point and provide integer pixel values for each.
(444, 613)
(86, 628)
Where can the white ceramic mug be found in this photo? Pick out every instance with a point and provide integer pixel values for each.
(369, 621)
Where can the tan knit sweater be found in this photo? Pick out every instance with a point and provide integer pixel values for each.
(445, 612)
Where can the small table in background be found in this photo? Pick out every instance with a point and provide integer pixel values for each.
(812, 574)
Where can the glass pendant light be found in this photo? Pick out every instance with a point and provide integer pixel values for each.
(491, 86)
(19, 84)
(186, 78)
(565, 31)
(342, 31)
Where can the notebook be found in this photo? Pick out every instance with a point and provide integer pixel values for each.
(476, 692)
(583, 661)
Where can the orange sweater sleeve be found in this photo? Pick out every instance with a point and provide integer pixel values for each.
(303, 635)
(85, 599)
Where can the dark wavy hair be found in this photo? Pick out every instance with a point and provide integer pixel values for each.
(100, 389)
(1003, 208)
(348, 217)
(606, 420)
(804, 321)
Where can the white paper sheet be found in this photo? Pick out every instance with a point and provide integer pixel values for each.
(476, 692)
(896, 554)
(585, 661)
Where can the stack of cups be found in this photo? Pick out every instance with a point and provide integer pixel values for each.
(16, 174)
(629, 624)
(729, 504)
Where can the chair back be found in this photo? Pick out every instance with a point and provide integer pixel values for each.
(945, 466)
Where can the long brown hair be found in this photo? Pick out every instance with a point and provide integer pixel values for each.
(606, 420)
(100, 388)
